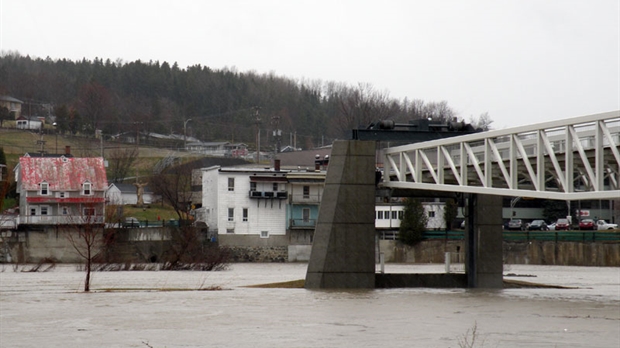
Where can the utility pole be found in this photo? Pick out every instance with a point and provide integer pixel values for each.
(257, 120)
(277, 134)
(185, 134)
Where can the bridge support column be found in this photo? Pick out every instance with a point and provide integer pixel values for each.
(483, 240)
(343, 249)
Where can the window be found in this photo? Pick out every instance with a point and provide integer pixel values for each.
(306, 191)
(264, 234)
(400, 214)
(305, 214)
(44, 210)
(86, 189)
(64, 210)
(231, 214)
(45, 189)
(275, 186)
(394, 214)
(380, 215)
(230, 230)
(62, 195)
(89, 211)
(33, 211)
(431, 214)
(231, 184)
(252, 186)
(245, 214)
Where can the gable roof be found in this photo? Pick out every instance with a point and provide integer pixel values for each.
(129, 188)
(62, 173)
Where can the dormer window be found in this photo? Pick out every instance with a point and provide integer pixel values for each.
(45, 189)
(87, 189)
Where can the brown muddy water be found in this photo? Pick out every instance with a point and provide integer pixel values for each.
(144, 309)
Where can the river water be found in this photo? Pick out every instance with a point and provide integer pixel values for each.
(138, 309)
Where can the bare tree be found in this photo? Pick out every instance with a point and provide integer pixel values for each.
(482, 122)
(174, 186)
(86, 236)
(189, 251)
(94, 104)
(121, 160)
(360, 106)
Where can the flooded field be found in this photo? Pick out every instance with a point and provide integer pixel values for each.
(166, 309)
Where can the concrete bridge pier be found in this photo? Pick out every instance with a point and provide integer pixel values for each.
(483, 240)
(343, 249)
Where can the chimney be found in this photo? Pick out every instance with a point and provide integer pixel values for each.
(67, 150)
(276, 165)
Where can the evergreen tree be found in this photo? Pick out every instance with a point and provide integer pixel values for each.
(450, 212)
(414, 221)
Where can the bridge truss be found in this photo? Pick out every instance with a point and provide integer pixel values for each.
(571, 159)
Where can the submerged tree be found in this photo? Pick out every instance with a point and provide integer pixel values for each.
(414, 221)
(87, 238)
(175, 187)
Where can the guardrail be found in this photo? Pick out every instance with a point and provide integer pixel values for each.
(522, 236)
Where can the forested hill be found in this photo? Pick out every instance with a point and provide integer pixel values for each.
(223, 105)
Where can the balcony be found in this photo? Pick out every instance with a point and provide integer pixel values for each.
(58, 220)
(302, 223)
(314, 198)
(269, 194)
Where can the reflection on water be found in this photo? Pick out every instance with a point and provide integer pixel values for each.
(49, 310)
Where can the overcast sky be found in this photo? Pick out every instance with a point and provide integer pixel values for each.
(521, 61)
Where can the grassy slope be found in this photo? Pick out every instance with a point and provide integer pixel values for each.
(17, 142)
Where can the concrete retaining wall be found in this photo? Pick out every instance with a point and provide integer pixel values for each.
(134, 246)
(601, 254)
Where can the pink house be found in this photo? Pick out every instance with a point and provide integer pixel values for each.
(61, 190)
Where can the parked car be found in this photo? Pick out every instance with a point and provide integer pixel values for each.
(562, 225)
(515, 224)
(603, 225)
(587, 224)
(538, 225)
(131, 222)
(551, 227)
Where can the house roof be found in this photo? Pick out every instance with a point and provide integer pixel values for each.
(129, 188)
(62, 173)
(10, 99)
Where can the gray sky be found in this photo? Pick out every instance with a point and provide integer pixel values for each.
(522, 61)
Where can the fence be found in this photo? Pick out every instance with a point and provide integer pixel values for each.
(522, 236)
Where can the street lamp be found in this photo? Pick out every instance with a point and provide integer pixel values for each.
(185, 134)
(56, 133)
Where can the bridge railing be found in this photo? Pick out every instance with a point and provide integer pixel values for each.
(529, 161)
(524, 236)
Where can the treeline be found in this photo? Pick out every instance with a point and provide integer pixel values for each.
(211, 105)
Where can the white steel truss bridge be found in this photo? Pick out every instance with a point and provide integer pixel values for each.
(570, 159)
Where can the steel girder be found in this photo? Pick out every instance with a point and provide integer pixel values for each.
(570, 159)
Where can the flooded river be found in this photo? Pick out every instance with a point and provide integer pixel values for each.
(139, 309)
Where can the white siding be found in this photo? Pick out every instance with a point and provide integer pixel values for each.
(263, 214)
(209, 196)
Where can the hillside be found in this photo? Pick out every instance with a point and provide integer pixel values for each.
(210, 105)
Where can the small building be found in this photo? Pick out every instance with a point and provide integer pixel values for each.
(13, 105)
(33, 122)
(122, 194)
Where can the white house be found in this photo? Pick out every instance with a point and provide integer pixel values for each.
(121, 194)
(244, 201)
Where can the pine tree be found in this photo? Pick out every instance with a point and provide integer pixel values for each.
(414, 221)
